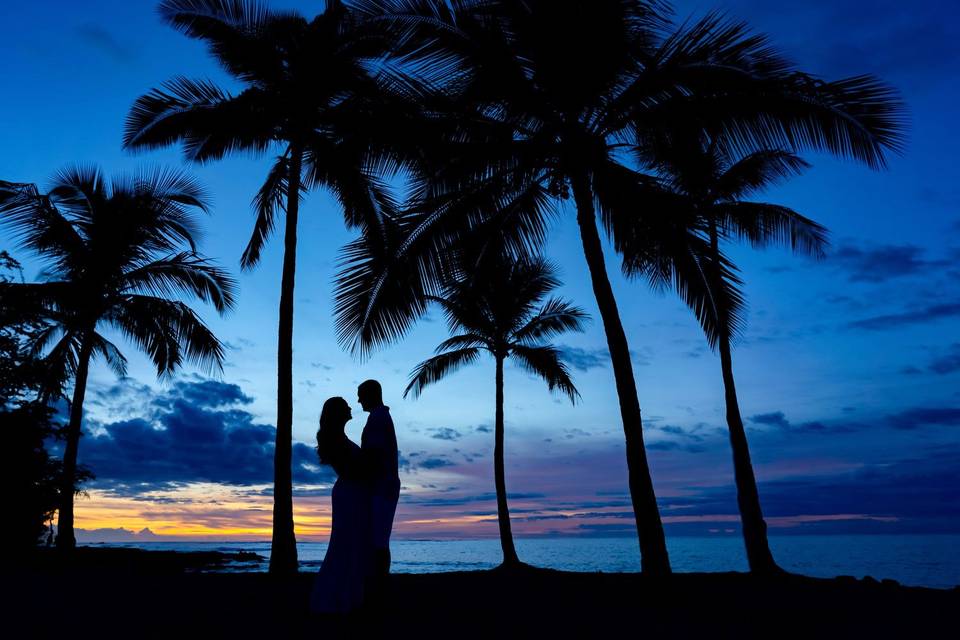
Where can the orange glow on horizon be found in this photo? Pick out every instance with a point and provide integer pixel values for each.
(217, 512)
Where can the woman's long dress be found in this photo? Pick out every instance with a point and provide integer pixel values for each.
(339, 584)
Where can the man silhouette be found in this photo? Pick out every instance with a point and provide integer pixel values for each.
(378, 446)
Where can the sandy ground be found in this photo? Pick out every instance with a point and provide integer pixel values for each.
(146, 594)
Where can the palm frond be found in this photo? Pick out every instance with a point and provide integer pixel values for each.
(39, 342)
(169, 332)
(164, 202)
(269, 200)
(208, 121)
(757, 171)
(110, 353)
(79, 190)
(859, 118)
(764, 224)
(32, 301)
(60, 364)
(466, 340)
(465, 312)
(709, 285)
(183, 273)
(436, 368)
(193, 17)
(555, 317)
(171, 187)
(545, 362)
(382, 284)
(35, 223)
(718, 76)
(633, 206)
(234, 32)
(364, 197)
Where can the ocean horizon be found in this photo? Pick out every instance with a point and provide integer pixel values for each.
(922, 560)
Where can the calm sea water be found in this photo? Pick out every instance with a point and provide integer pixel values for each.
(918, 560)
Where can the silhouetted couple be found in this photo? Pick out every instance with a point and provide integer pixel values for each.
(355, 568)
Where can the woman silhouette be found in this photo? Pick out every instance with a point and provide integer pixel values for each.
(339, 584)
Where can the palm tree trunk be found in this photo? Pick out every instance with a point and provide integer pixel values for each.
(654, 558)
(66, 540)
(748, 498)
(283, 547)
(510, 558)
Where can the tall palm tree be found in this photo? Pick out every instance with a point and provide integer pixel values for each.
(497, 311)
(708, 193)
(307, 91)
(116, 252)
(546, 101)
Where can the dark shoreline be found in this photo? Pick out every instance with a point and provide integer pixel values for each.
(112, 592)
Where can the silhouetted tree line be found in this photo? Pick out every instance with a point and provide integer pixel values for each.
(31, 476)
(496, 116)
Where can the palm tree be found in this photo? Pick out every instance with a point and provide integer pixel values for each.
(496, 311)
(707, 192)
(307, 90)
(546, 101)
(117, 251)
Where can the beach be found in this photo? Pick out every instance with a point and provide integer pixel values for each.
(130, 592)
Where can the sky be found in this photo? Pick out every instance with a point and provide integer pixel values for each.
(847, 372)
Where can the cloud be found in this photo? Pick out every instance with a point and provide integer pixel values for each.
(929, 313)
(417, 460)
(125, 393)
(585, 359)
(680, 439)
(778, 419)
(444, 433)
(916, 494)
(99, 38)
(908, 419)
(467, 499)
(115, 535)
(925, 417)
(210, 393)
(883, 263)
(197, 431)
(947, 363)
(673, 445)
(239, 345)
(435, 462)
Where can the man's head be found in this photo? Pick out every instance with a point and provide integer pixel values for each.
(370, 395)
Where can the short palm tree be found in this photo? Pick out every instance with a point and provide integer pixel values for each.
(707, 195)
(309, 92)
(496, 310)
(117, 253)
(545, 100)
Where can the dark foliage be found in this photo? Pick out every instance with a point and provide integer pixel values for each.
(31, 476)
(117, 253)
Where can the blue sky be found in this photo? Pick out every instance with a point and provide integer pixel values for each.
(848, 370)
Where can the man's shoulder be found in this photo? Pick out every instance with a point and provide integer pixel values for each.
(380, 415)
(378, 421)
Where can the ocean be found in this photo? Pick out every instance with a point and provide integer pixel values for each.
(915, 560)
